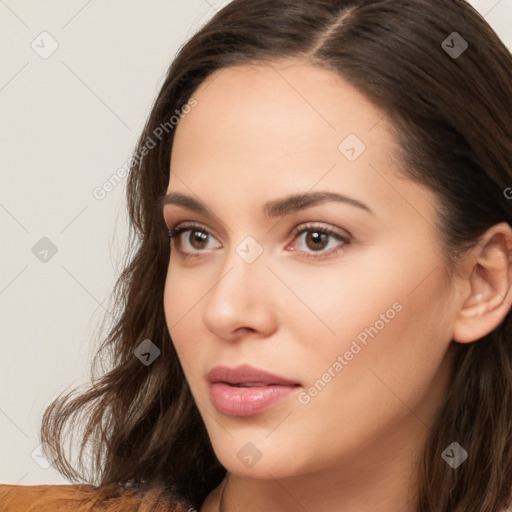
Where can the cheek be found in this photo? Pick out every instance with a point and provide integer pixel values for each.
(383, 362)
(335, 304)
(184, 289)
(181, 294)
(374, 331)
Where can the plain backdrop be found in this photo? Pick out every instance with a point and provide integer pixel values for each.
(77, 79)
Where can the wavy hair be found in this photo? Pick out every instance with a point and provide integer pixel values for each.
(452, 119)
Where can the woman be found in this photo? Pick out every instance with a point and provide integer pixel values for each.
(318, 312)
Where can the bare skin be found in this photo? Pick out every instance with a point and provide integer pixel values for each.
(264, 132)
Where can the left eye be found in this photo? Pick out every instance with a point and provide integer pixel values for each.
(318, 240)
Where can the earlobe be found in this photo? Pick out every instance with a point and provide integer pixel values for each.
(490, 284)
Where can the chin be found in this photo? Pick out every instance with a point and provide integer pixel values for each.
(251, 460)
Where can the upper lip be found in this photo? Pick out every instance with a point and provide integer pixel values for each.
(246, 374)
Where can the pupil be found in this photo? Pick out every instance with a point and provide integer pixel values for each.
(318, 239)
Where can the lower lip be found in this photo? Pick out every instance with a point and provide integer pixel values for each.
(246, 401)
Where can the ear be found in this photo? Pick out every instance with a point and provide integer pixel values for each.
(489, 279)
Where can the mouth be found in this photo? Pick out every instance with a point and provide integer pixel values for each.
(246, 391)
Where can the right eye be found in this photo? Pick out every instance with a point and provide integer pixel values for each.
(192, 239)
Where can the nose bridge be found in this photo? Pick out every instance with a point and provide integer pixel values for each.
(243, 269)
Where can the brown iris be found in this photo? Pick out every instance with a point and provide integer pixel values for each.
(316, 240)
(197, 239)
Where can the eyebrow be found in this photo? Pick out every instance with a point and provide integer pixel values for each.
(274, 208)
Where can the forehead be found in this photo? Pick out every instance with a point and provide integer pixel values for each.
(271, 129)
(283, 100)
(275, 113)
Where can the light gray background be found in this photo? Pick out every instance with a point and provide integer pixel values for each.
(68, 122)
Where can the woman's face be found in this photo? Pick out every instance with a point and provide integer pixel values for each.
(348, 299)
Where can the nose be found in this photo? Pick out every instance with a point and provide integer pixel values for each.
(241, 300)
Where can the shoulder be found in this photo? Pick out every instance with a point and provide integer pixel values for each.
(88, 498)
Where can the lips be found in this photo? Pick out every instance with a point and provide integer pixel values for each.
(247, 376)
(246, 391)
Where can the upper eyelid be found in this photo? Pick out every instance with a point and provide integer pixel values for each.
(187, 225)
(173, 221)
(307, 226)
(178, 211)
(300, 227)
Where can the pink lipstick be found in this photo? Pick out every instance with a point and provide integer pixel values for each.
(245, 390)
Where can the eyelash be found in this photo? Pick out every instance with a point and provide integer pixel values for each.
(176, 231)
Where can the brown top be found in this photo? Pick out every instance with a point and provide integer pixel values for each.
(87, 498)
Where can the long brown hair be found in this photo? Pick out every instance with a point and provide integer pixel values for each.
(452, 118)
